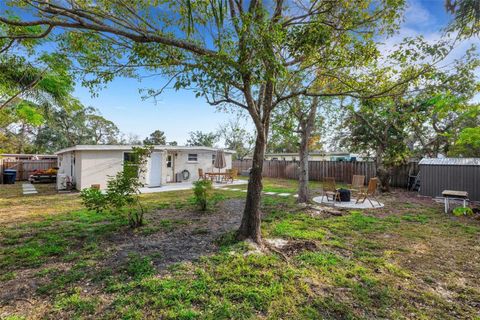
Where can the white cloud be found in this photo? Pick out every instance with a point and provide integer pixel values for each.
(417, 15)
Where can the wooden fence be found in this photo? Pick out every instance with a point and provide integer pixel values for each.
(25, 167)
(318, 170)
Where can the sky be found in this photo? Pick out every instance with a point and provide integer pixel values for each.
(179, 112)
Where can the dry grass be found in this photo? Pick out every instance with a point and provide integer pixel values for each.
(407, 260)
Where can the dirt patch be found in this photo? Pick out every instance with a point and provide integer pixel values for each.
(293, 248)
(193, 234)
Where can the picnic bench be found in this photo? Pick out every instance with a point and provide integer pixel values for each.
(454, 195)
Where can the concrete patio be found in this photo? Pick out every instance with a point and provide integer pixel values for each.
(187, 186)
(349, 204)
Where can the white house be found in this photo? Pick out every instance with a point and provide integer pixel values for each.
(87, 165)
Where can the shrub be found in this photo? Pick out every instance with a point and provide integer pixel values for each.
(201, 193)
(123, 190)
(93, 199)
(460, 211)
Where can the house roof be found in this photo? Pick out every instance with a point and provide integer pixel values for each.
(114, 147)
(450, 161)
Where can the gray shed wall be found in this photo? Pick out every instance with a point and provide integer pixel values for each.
(436, 178)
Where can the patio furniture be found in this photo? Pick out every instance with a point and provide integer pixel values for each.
(358, 181)
(215, 176)
(330, 190)
(369, 192)
(231, 175)
(454, 195)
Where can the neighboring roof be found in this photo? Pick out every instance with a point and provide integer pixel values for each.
(450, 161)
(104, 147)
(27, 155)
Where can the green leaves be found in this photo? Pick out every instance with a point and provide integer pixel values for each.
(28, 113)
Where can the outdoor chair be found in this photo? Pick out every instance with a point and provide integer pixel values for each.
(358, 182)
(231, 175)
(368, 192)
(330, 190)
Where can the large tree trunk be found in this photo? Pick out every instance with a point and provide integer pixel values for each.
(383, 173)
(303, 192)
(306, 129)
(250, 226)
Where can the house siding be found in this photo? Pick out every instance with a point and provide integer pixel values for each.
(98, 166)
(204, 161)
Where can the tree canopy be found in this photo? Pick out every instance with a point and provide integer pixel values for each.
(202, 139)
(157, 137)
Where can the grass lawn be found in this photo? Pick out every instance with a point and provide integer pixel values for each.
(407, 260)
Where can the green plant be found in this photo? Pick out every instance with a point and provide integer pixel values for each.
(201, 193)
(460, 211)
(139, 267)
(123, 189)
(93, 199)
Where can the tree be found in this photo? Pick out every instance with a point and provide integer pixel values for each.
(468, 143)
(439, 121)
(62, 129)
(201, 139)
(157, 137)
(298, 119)
(103, 131)
(251, 47)
(467, 16)
(237, 137)
(428, 111)
(379, 126)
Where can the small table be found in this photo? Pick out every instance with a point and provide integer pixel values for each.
(215, 175)
(454, 195)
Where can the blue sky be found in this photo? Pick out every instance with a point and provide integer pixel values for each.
(178, 112)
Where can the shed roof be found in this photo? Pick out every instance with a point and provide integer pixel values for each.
(129, 147)
(450, 161)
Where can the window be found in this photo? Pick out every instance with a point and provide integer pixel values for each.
(169, 161)
(130, 163)
(193, 157)
(129, 157)
(213, 158)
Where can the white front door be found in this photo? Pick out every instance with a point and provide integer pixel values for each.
(155, 170)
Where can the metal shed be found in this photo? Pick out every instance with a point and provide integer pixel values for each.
(440, 174)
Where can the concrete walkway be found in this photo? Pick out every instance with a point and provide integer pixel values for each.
(268, 193)
(28, 188)
(187, 186)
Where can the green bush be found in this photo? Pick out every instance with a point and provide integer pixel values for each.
(201, 193)
(93, 199)
(460, 211)
(123, 190)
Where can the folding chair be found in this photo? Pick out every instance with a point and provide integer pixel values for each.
(369, 192)
(330, 190)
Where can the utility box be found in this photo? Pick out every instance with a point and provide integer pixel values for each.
(178, 177)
